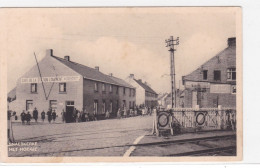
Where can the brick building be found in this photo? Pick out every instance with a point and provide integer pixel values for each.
(70, 85)
(214, 82)
(145, 95)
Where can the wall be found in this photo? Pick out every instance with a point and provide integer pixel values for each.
(74, 89)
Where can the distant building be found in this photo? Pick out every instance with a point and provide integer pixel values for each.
(70, 85)
(165, 101)
(214, 82)
(145, 95)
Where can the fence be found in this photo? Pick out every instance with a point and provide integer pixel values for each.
(180, 120)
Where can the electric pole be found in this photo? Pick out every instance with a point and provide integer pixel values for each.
(170, 43)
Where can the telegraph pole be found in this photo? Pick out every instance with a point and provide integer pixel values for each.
(170, 43)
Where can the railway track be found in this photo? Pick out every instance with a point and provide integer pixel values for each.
(210, 151)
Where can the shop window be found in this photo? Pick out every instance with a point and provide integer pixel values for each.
(231, 73)
(62, 87)
(34, 88)
(217, 75)
(205, 74)
(29, 105)
(53, 105)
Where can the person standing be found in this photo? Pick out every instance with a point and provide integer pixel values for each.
(28, 118)
(53, 116)
(35, 114)
(23, 115)
(107, 114)
(43, 115)
(49, 115)
(119, 113)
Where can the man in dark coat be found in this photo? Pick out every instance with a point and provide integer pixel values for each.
(49, 115)
(43, 115)
(35, 114)
(54, 116)
(23, 115)
(28, 117)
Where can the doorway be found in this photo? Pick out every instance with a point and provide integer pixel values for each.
(69, 117)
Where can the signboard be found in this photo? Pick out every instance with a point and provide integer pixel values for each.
(220, 88)
(191, 84)
(51, 79)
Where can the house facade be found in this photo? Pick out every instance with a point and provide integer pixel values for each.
(145, 95)
(214, 82)
(64, 85)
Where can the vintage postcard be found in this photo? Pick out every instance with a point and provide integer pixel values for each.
(133, 84)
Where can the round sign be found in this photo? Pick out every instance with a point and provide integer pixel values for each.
(200, 118)
(163, 119)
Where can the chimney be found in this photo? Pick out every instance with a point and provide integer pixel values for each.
(67, 58)
(231, 41)
(140, 80)
(110, 74)
(49, 52)
(97, 68)
(132, 76)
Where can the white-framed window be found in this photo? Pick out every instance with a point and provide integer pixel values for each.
(103, 87)
(231, 73)
(53, 105)
(33, 87)
(62, 87)
(233, 89)
(110, 88)
(96, 87)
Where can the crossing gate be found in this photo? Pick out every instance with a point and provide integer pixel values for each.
(179, 120)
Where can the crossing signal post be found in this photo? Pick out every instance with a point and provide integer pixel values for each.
(170, 43)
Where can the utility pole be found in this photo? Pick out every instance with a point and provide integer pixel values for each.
(170, 43)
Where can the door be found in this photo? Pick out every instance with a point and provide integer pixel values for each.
(69, 112)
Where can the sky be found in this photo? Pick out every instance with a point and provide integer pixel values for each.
(121, 41)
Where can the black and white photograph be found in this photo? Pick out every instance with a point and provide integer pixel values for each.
(144, 83)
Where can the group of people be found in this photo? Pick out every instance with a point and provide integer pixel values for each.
(138, 110)
(26, 117)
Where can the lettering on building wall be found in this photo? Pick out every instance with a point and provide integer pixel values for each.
(220, 88)
(51, 79)
(190, 84)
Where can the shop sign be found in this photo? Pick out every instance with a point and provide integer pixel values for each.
(220, 88)
(191, 84)
(51, 79)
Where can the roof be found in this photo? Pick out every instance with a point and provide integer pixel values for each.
(12, 94)
(121, 82)
(146, 87)
(91, 73)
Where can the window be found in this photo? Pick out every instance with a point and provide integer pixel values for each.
(117, 90)
(62, 87)
(104, 106)
(130, 103)
(110, 88)
(124, 91)
(217, 75)
(111, 106)
(69, 103)
(205, 74)
(233, 89)
(95, 106)
(34, 88)
(130, 91)
(96, 87)
(124, 104)
(103, 87)
(53, 105)
(133, 92)
(29, 105)
(231, 73)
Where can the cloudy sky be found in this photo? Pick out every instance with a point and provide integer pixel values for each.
(119, 41)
